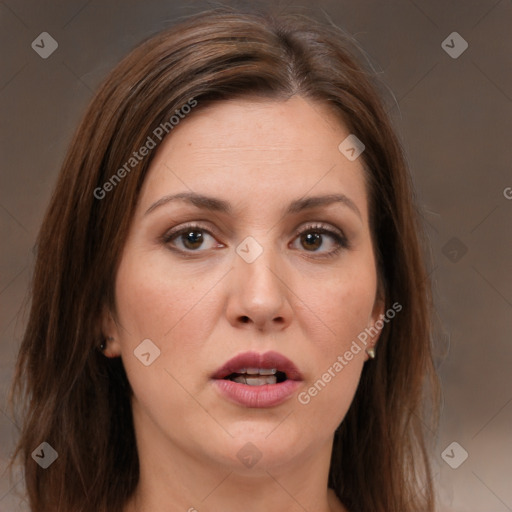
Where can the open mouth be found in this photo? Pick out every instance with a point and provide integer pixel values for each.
(258, 380)
(257, 376)
(256, 369)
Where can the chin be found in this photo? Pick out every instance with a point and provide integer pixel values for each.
(256, 447)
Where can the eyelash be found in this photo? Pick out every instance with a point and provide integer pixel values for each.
(338, 237)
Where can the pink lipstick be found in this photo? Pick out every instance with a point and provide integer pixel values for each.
(258, 380)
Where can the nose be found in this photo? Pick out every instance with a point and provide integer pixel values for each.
(259, 295)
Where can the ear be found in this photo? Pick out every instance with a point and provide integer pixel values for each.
(379, 307)
(110, 333)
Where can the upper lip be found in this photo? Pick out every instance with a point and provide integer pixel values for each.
(267, 360)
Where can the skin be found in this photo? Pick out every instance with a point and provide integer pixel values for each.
(259, 155)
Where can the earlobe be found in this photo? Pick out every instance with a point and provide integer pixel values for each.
(376, 326)
(379, 305)
(378, 314)
(111, 348)
(107, 322)
(110, 338)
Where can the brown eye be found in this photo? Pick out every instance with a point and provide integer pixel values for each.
(192, 239)
(320, 241)
(311, 241)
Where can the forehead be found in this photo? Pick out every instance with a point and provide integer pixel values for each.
(252, 150)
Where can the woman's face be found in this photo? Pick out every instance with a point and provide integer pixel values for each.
(267, 256)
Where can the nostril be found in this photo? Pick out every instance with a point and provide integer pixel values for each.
(245, 319)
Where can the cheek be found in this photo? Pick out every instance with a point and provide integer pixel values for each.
(325, 401)
(344, 306)
(153, 299)
(173, 311)
(177, 311)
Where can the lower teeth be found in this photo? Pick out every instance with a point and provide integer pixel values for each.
(255, 381)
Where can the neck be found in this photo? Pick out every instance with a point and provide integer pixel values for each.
(174, 478)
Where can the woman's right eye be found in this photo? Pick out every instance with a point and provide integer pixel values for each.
(191, 239)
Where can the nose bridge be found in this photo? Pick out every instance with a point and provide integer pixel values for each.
(257, 267)
(259, 294)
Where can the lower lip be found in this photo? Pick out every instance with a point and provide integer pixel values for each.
(268, 395)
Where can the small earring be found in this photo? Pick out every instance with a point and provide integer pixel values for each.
(371, 352)
(103, 344)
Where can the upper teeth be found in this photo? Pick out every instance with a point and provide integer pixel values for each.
(258, 371)
(255, 381)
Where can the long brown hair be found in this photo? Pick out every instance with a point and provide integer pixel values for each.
(79, 401)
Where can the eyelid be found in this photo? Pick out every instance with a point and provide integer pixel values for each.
(340, 239)
(188, 225)
(173, 232)
(322, 227)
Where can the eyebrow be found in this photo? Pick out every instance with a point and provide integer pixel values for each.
(221, 206)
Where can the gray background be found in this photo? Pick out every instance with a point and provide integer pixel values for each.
(454, 117)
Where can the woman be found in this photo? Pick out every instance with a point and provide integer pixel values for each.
(230, 306)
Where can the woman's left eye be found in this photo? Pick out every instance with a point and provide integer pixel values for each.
(318, 239)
